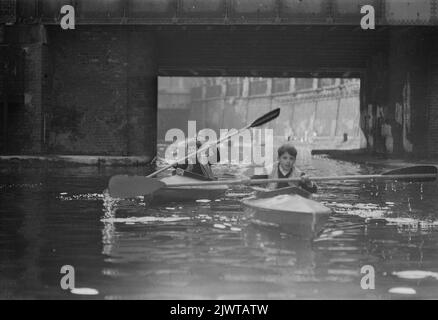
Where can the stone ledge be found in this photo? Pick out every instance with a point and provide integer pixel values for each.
(364, 157)
(73, 160)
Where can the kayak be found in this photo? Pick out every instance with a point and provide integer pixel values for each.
(187, 193)
(292, 213)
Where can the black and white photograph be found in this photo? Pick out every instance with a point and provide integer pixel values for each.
(219, 155)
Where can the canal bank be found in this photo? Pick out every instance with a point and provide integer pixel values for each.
(61, 161)
(359, 156)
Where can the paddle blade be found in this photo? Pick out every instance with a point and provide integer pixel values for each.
(124, 186)
(430, 171)
(266, 118)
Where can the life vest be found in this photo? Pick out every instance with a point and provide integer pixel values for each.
(275, 174)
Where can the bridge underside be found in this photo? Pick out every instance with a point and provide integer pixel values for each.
(93, 90)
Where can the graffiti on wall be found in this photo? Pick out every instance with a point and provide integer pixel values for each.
(406, 118)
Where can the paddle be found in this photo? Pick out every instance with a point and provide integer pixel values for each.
(123, 186)
(256, 123)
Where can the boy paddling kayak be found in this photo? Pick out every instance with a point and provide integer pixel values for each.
(198, 169)
(285, 168)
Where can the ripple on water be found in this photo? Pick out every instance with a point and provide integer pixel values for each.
(415, 274)
(144, 219)
(174, 251)
(84, 291)
(402, 290)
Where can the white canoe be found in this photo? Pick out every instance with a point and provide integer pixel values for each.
(189, 193)
(291, 213)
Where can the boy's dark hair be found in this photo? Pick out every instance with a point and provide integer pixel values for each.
(287, 148)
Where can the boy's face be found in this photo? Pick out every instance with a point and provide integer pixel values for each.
(286, 161)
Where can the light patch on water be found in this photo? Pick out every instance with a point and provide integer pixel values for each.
(330, 235)
(413, 224)
(132, 220)
(337, 233)
(110, 272)
(264, 223)
(340, 205)
(402, 290)
(343, 272)
(203, 200)
(22, 185)
(370, 211)
(85, 196)
(84, 291)
(415, 274)
(372, 216)
(343, 248)
(370, 206)
(236, 195)
(363, 210)
(219, 226)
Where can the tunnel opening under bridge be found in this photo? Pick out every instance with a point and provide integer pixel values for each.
(316, 114)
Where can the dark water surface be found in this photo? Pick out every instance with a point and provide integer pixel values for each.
(208, 250)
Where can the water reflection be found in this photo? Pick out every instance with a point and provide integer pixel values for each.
(128, 249)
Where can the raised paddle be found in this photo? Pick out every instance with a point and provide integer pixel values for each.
(256, 123)
(123, 186)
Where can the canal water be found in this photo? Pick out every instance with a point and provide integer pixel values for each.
(52, 217)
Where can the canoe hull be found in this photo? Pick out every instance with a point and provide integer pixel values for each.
(186, 194)
(305, 221)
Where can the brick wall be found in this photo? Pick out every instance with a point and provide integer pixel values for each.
(142, 82)
(32, 122)
(103, 92)
(432, 141)
(20, 100)
(395, 88)
(87, 113)
(245, 49)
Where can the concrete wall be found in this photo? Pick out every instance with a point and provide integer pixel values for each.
(328, 113)
(172, 111)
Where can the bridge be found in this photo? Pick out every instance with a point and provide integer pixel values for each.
(93, 90)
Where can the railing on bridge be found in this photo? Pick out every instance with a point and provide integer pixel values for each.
(311, 12)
